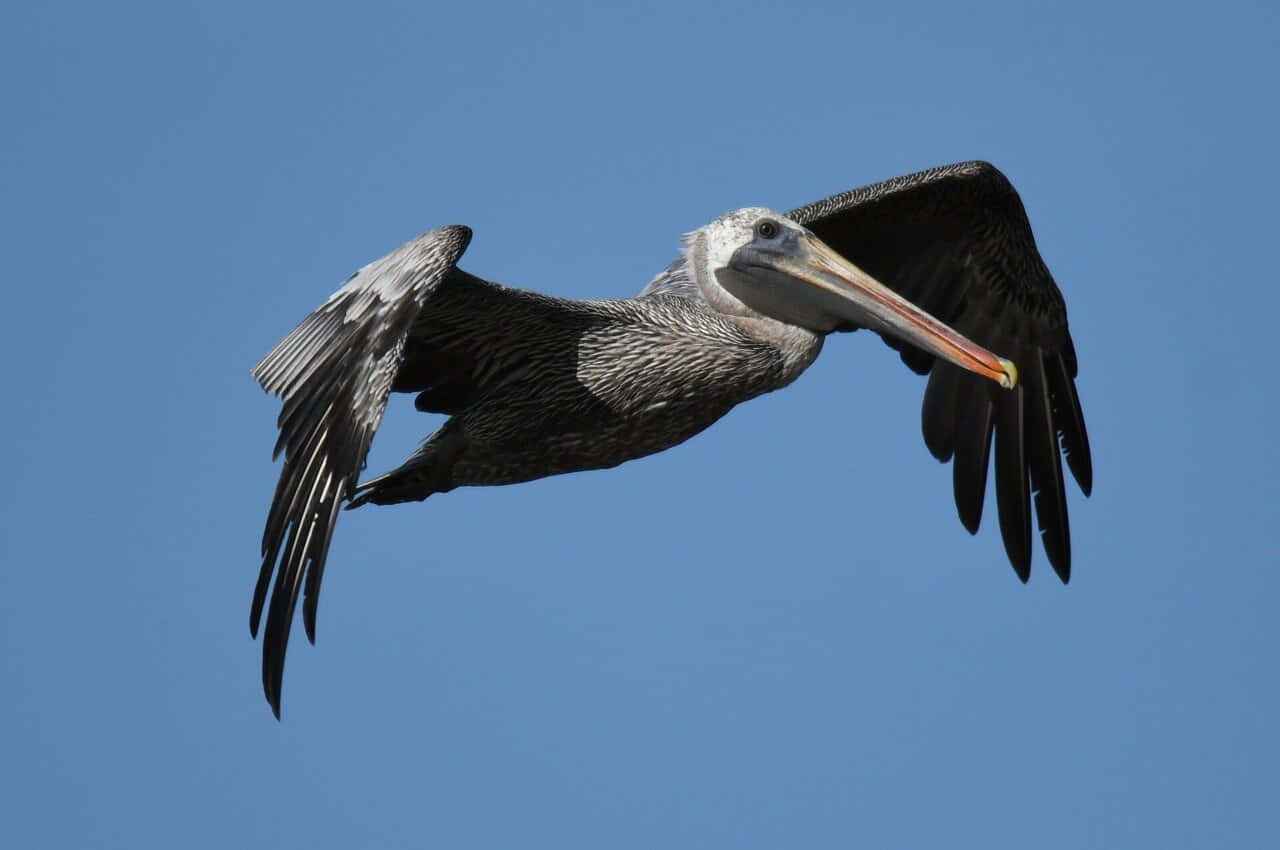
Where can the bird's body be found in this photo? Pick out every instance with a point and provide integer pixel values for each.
(578, 384)
(536, 385)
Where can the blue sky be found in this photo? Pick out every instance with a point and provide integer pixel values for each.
(777, 634)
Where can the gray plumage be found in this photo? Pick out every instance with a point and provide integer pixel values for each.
(536, 385)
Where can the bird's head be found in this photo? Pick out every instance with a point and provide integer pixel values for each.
(756, 263)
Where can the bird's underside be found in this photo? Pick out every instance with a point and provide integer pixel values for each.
(535, 385)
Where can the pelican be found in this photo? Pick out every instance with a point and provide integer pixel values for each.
(941, 263)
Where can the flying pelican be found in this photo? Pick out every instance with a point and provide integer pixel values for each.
(946, 271)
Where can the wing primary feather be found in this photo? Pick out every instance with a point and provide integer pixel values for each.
(288, 582)
(1069, 419)
(283, 514)
(973, 450)
(334, 372)
(311, 593)
(275, 639)
(1046, 468)
(1012, 497)
(272, 537)
(260, 593)
(938, 412)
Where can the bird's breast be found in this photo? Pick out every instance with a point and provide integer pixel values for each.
(651, 366)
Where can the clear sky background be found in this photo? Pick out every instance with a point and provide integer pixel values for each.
(775, 635)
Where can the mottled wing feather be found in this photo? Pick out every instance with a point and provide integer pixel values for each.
(334, 372)
(477, 335)
(956, 241)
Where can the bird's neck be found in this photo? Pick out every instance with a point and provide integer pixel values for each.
(797, 346)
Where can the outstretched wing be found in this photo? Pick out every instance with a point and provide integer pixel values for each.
(955, 240)
(334, 372)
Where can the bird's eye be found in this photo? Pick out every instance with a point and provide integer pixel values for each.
(766, 229)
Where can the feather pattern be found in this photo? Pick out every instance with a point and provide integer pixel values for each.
(333, 371)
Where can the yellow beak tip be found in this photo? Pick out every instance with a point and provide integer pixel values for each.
(1010, 378)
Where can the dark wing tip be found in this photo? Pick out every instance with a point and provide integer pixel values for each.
(975, 424)
(271, 688)
(938, 411)
(1013, 497)
(1069, 419)
(1045, 464)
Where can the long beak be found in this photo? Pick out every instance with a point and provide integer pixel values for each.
(860, 298)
